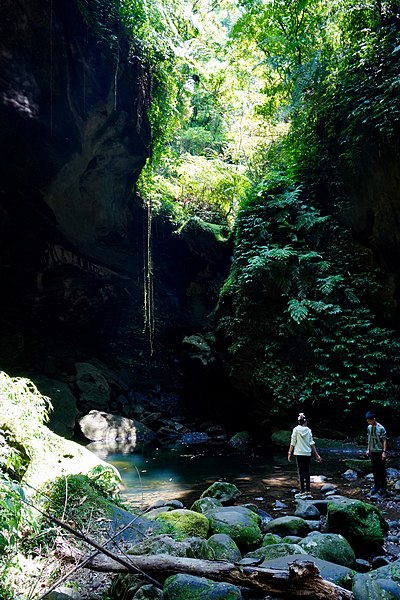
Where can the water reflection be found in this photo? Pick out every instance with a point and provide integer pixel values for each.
(182, 473)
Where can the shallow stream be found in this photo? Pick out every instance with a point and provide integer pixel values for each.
(265, 478)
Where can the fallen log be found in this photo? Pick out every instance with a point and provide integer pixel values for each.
(301, 580)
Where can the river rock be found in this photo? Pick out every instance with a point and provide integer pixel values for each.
(275, 551)
(203, 505)
(271, 538)
(223, 491)
(182, 587)
(148, 592)
(288, 526)
(367, 588)
(362, 524)
(105, 427)
(223, 547)
(329, 546)
(240, 441)
(330, 571)
(185, 522)
(240, 523)
(306, 510)
(350, 475)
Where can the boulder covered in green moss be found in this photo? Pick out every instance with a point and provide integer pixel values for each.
(189, 587)
(271, 538)
(203, 505)
(329, 546)
(223, 491)
(239, 522)
(165, 544)
(275, 551)
(360, 523)
(287, 526)
(281, 438)
(223, 547)
(185, 523)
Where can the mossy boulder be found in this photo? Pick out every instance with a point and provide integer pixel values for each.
(330, 571)
(189, 587)
(185, 523)
(223, 547)
(240, 523)
(362, 524)
(287, 526)
(271, 538)
(329, 546)
(281, 438)
(275, 551)
(192, 547)
(367, 588)
(223, 491)
(203, 505)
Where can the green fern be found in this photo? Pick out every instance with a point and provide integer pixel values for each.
(298, 311)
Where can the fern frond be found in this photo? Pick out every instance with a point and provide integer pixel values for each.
(328, 284)
(298, 311)
(281, 253)
(309, 256)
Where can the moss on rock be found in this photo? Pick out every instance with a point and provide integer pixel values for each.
(185, 522)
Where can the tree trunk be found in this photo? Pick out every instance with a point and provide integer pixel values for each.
(301, 580)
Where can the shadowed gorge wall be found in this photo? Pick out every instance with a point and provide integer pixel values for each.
(75, 136)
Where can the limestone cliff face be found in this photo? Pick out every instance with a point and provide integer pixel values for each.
(74, 130)
(73, 239)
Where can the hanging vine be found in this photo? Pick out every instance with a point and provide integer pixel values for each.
(148, 278)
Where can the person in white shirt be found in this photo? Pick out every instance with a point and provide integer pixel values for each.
(302, 445)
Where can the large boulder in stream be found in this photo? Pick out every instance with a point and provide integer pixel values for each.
(223, 491)
(185, 523)
(239, 522)
(329, 546)
(330, 571)
(183, 587)
(288, 525)
(380, 584)
(360, 523)
(271, 551)
(99, 426)
(192, 547)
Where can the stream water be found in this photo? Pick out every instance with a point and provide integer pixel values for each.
(264, 477)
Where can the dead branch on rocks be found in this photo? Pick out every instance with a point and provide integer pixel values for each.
(301, 580)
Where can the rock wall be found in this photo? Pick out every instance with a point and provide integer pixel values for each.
(73, 237)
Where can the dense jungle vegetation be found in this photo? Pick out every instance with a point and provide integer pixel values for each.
(261, 111)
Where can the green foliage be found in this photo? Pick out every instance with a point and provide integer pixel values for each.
(301, 309)
(103, 17)
(209, 188)
(23, 411)
(287, 34)
(76, 496)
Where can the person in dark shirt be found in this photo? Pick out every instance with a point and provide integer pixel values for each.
(376, 451)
